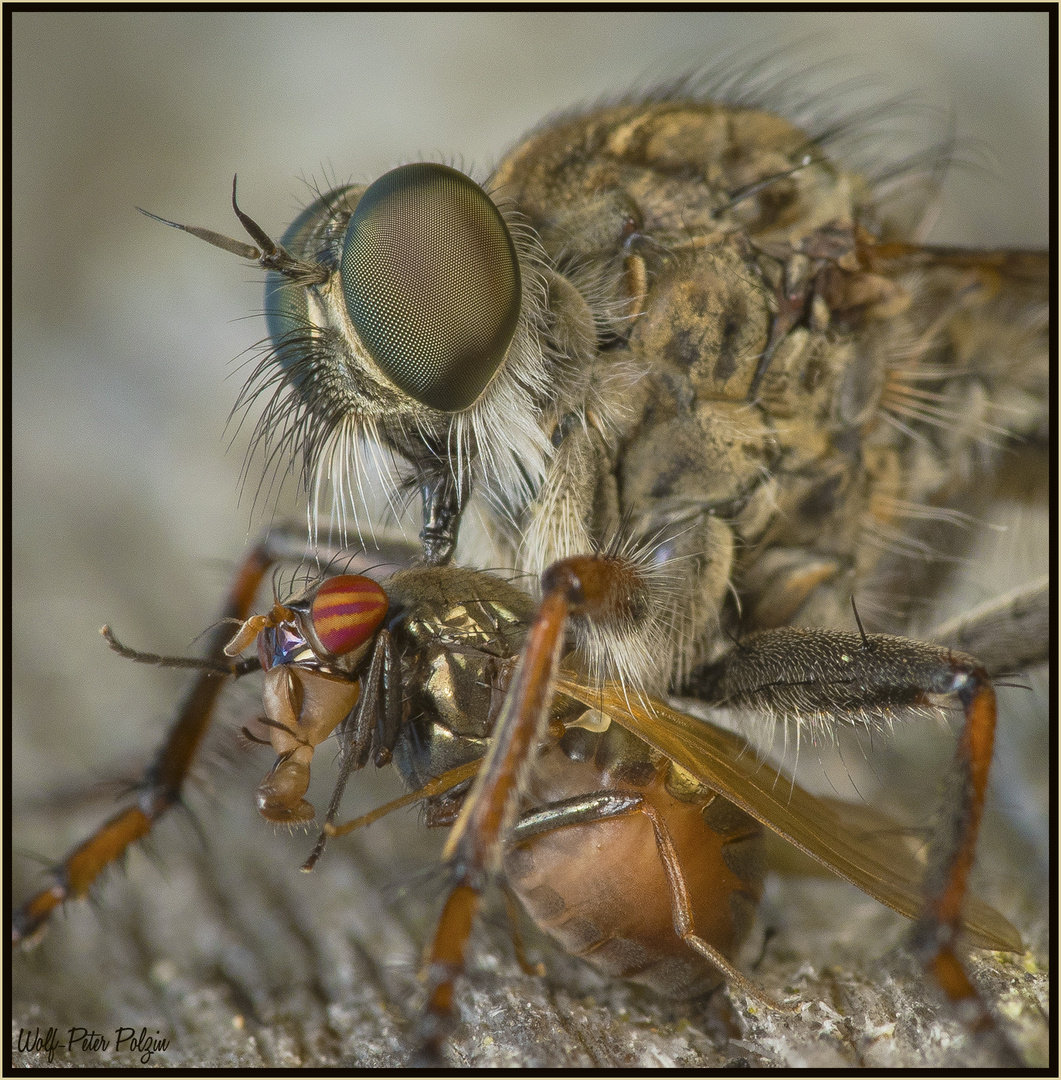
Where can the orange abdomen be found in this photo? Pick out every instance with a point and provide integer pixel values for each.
(600, 889)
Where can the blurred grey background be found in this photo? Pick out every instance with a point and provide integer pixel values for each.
(126, 496)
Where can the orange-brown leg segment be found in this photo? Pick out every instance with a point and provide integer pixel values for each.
(794, 673)
(475, 843)
(518, 947)
(683, 913)
(953, 848)
(441, 784)
(160, 787)
(577, 586)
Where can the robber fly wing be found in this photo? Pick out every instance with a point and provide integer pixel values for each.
(878, 861)
(897, 847)
(1013, 267)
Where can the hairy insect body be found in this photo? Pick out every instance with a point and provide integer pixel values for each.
(726, 356)
(691, 454)
(688, 364)
(789, 399)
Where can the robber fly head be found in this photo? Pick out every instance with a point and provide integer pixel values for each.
(408, 315)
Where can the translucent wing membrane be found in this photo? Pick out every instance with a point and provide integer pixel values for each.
(878, 862)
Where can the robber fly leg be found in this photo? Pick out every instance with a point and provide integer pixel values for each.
(586, 586)
(473, 848)
(518, 947)
(1006, 633)
(160, 787)
(826, 675)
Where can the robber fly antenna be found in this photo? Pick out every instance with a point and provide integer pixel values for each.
(268, 253)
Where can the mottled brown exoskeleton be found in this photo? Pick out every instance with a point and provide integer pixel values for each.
(677, 331)
(682, 325)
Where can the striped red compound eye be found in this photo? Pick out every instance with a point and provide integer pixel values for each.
(346, 612)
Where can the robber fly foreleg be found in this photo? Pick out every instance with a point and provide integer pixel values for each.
(580, 586)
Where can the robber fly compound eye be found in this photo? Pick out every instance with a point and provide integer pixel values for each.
(431, 283)
(429, 277)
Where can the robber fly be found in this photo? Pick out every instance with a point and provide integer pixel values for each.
(675, 327)
(668, 323)
(668, 320)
